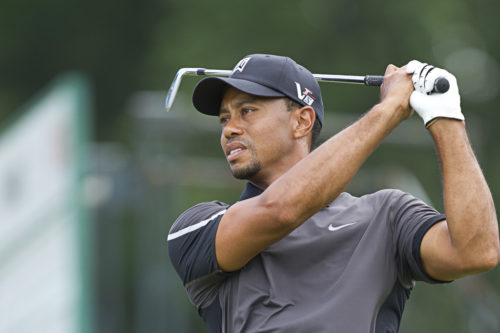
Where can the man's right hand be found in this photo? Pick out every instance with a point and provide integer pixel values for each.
(396, 90)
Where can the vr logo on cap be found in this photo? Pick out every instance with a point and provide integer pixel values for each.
(306, 95)
(239, 66)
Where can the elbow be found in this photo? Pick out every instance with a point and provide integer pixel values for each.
(280, 214)
(490, 260)
(485, 261)
(492, 254)
(484, 253)
(496, 256)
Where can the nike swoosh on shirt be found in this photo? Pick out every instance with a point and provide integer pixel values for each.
(332, 228)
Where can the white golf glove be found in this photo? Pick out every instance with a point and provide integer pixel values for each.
(428, 104)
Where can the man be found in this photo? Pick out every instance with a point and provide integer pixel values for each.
(296, 253)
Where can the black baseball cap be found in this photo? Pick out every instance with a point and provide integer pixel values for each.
(262, 75)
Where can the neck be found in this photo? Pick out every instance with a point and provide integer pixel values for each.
(270, 174)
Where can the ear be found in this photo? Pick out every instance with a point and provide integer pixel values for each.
(304, 121)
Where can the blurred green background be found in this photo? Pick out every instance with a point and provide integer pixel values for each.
(146, 166)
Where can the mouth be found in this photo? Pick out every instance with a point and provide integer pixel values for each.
(235, 153)
(234, 150)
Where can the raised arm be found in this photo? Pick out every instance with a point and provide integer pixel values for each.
(251, 225)
(467, 242)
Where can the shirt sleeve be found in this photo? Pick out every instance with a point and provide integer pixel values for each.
(191, 241)
(410, 219)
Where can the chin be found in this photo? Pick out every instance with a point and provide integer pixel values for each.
(246, 171)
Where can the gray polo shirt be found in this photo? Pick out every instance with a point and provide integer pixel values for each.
(348, 269)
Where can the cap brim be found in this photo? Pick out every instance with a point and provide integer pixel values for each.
(208, 93)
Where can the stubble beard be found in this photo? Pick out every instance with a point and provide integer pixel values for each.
(247, 171)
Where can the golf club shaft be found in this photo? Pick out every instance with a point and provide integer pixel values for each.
(369, 80)
(441, 84)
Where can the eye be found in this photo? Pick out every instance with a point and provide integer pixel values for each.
(245, 111)
(223, 119)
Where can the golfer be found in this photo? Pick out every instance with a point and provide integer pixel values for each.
(296, 253)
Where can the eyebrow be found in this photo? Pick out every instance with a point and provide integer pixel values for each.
(240, 103)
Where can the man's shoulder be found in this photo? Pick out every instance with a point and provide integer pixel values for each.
(378, 197)
(382, 200)
(386, 195)
(198, 214)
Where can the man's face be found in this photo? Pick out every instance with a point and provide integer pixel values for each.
(256, 138)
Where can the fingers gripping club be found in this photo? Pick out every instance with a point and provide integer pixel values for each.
(432, 106)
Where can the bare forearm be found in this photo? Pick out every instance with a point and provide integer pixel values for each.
(319, 178)
(469, 206)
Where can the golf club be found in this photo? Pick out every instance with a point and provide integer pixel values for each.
(441, 85)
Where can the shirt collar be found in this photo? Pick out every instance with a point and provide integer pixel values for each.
(250, 191)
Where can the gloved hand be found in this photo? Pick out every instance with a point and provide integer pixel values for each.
(431, 105)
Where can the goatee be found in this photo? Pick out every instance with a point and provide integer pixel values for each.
(248, 171)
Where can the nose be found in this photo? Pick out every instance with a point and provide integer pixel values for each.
(232, 128)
